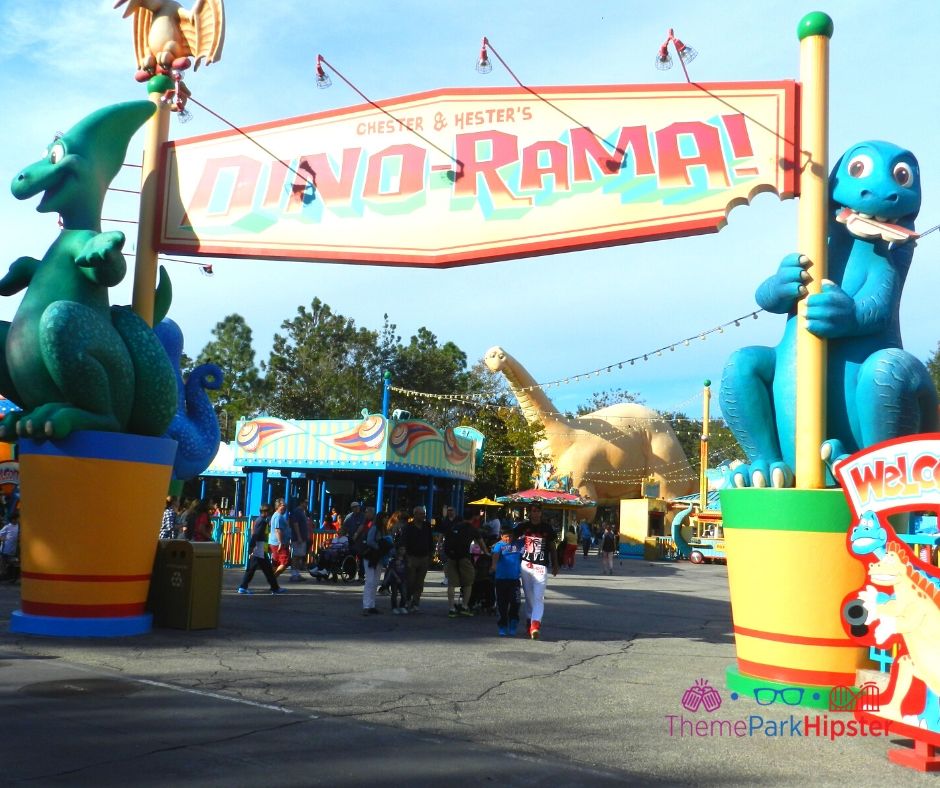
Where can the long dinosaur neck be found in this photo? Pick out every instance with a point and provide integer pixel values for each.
(537, 408)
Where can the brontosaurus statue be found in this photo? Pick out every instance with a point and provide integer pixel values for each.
(875, 389)
(195, 427)
(69, 359)
(608, 453)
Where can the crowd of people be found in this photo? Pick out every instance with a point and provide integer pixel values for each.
(190, 519)
(496, 566)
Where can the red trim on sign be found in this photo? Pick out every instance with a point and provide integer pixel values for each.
(81, 611)
(506, 251)
(795, 675)
(785, 183)
(780, 637)
(85, 578)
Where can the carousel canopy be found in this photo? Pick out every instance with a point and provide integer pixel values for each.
(548, 498)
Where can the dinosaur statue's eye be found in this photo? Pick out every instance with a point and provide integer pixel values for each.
(860, 166)
(903, 174)
(56, 153)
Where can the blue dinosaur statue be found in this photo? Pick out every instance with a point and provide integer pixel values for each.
(869, 536)
(875, 389)
(69, 359)
(195, 427)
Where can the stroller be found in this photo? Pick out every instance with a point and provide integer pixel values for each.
(335, 562)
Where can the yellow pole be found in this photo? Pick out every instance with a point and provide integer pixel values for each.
(703, 448)
(145, 269)
(814, 30)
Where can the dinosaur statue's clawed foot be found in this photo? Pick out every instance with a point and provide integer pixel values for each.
(8, 426)
(763, 474)
(833, 452)
(59, 420)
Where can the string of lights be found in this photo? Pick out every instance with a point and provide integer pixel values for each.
(658, 352)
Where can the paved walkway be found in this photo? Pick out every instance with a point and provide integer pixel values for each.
(302, 689)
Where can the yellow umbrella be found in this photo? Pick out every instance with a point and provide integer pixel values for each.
(484, 502)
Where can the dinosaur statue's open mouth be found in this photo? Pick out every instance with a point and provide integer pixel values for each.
(864, 226)
(884, 580)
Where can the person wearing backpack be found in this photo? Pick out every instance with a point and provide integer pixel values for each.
(256, 556)
(418, 539)
(608, 547)
(457, 536)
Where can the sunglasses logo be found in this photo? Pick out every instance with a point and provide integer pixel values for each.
(767, 696)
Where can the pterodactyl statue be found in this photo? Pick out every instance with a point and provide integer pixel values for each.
(166, 35)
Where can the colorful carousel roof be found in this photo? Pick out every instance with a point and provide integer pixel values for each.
(554, 498)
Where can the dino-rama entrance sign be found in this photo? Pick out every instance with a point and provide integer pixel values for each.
(460, 176)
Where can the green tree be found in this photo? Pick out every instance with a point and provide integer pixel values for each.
(933, 367)
(323, 366)
(508, 460)
(438, 369)
(721, 442)
(242, 393)
(603, 399)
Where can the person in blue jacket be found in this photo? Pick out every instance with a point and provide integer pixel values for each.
(507, 567)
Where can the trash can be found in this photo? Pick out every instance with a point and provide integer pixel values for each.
(186, 584)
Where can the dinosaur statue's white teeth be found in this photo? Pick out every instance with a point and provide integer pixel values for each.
(866, 226)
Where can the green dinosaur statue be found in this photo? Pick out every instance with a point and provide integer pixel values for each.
(69, 359)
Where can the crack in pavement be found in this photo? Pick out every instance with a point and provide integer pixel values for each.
(174, 748)
(430, 702)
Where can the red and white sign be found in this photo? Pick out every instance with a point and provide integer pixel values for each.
(460, 176)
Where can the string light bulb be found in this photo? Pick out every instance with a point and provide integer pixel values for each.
(323, 79)
(686, 54)
(484, 65)
(663, 58)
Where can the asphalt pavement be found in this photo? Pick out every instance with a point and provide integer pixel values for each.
(301, 689)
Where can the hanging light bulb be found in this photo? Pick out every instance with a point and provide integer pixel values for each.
(663, 58)
(737, 324)
(686, 53)
(484, 66)
(323, 79)
(754, 315)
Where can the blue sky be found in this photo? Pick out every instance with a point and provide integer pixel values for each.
(560, 315)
